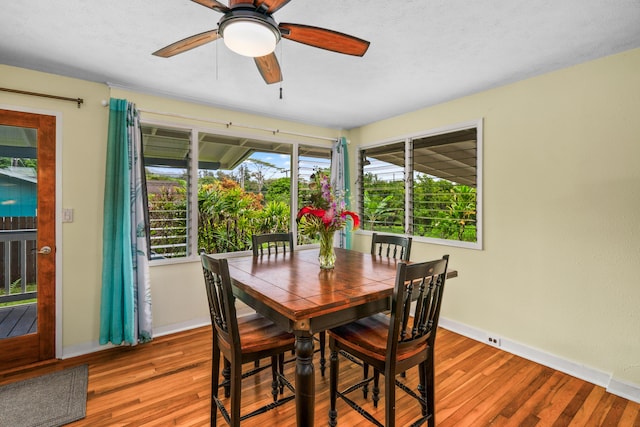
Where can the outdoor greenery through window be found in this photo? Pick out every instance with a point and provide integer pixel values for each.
(167, 165)
(243, 187)
(424, 186)
(383, 181)
(245, 191)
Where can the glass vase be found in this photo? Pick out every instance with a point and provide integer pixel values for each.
(327, 256)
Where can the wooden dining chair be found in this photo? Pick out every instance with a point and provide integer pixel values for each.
(395, 343)
(398, 247)
(390, 246)
(278, 242)
(240, 340)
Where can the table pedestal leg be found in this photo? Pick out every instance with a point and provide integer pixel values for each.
(305, 381)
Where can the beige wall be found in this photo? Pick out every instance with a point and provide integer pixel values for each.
(177, 290)
(561, 261)
(83, 153)
(178, 296)
(559, 269)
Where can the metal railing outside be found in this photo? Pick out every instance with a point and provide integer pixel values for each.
(18, 261)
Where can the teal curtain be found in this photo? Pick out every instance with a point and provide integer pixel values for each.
(125, 307)
(341, 181)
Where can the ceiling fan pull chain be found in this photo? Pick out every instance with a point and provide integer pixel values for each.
(281, 67)
(217, 61)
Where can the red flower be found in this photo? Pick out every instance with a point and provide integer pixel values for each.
(320, 213)
(354, 216)
(327, 214)
(327, 219)
(309, 210)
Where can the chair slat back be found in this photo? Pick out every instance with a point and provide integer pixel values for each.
(220, 297)
(398, 247)
(278, 242)
(415, 309)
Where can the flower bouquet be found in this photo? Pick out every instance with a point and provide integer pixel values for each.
(323, 216)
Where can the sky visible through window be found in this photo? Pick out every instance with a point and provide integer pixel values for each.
(282, 162)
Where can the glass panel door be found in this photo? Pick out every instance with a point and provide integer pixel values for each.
(18, 230)
(27, 237)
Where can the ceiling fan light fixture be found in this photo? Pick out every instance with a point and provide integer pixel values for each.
(248, 28)
(250, 37)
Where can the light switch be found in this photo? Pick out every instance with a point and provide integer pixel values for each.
(67, 215)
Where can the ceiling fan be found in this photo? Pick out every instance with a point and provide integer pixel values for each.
(248, 28)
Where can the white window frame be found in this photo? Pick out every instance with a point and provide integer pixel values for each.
(408, 138)
(192, 230)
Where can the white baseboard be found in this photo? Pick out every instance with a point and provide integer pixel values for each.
(619, 388)
(92, 347)
(179, 327)
(82, 349)
(624, 389)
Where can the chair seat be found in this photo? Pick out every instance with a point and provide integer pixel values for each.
(394, 343)
(369, 337)
(258, 334)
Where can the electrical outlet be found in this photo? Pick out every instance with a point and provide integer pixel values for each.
(67, 215)
(494, 340)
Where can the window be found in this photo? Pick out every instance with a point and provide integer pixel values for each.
(211, 192)
(244, 188)
(425, 185)
(167, 160)
(383, 181)
(310, 158)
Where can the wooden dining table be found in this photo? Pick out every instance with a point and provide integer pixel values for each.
(292, 291)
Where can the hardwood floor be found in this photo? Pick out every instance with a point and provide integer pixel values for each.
(167, 383)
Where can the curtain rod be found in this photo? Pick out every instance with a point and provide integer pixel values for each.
(44, 95)
(229, 124)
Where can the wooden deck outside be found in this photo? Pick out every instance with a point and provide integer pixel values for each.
(18, 320)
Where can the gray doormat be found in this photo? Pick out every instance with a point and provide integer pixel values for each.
(50, 400)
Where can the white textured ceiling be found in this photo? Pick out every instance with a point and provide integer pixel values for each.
(422, 52)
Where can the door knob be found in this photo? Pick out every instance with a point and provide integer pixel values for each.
(45, 250)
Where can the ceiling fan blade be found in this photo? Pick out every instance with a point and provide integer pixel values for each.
(324, 39)
(271, 5)
(213, 4)
(234, 3)
(269, 68)
(187, 44)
